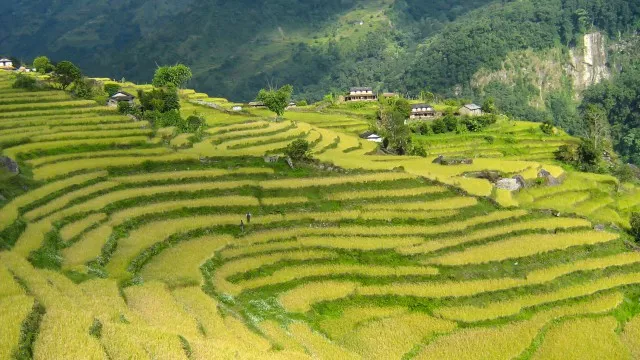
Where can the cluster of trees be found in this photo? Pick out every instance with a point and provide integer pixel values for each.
(452, 123)
(161, 106)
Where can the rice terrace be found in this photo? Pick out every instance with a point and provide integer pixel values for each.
(123, 238)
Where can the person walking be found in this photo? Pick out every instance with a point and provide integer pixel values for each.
(241, 225)
(248, 218)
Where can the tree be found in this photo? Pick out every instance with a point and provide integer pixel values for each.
(489, 105)
(439, 126)
(111, 89)
(175, 76)
(298, 149)
(42, 64)
(276, 100)
(588, 154)
(597, 126)
(635, 226)
(66, 73)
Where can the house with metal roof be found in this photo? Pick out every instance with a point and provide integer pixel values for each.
(361, 94)
(470, 110)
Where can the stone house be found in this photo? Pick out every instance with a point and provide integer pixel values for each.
(470, 110)
(361, 94)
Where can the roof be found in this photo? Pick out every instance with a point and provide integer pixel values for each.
(473, 107)
(122, 95)
(5, 59)
(420, 106)
(353, 89)
(373, 136)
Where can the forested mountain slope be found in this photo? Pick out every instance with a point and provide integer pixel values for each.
(236, 47)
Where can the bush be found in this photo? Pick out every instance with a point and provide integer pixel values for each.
(83, 89)
(125, 108)
(588, 154)
(193, 124)
(298, 149)
(451, 122)
(302, 103)
(169, 118)
(439, 126)
(566, 154)
(418, 150)
(111, 89)
(547, 127)
(635, 226)
(25, 82)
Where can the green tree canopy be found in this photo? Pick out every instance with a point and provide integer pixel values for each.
(177, 76)
(42, 64)
(66, 73)
(276, 100)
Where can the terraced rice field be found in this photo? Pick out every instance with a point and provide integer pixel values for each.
(136, 250)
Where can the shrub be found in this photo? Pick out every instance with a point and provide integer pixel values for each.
(439, 126)
(566, 153)
(124, 107)
(302, 103)
(42, 64)
(298, 149)
(418, 150)
(547, 127)
(83, 89)
(111, 89)
(635, 226)
(451, 122)
(194, 123)
(25, 82)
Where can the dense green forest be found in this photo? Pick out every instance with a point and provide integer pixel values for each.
(320, 46)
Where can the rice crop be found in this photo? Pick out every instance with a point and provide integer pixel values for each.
(180, 264)
(369, 194)
(100, 202)
(274, 201)
(40, 146)
(88, 248)
(299, 272)
(395, 336)
(67, 198)
(96, 154)
(418, 215)
(76, 228)
(203, 308)
(104, 299)
(155, 304)
(88, 134)
(358, 242)
(353, 316)
(328, 181)
(231, 252)
(13, 311)
(631, 336)
(538, 224)
(9, 286)
(32, 238)
(9, 213)
(63, 335)
(157, 208)
(301, 298)
(585, 338)
(192, 174)
(514, 306)
(45, 105)
(318, 345)
(66, 167)
(126, 341)
(245, 264)
(505, 198)
(522, 246)
(447, 204)
(280, 336)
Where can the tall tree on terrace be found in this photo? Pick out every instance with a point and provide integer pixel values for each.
(276, 100)
(176, 76)
(597, 126)
(66, 73)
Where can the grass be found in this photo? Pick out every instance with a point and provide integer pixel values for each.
(631, 336)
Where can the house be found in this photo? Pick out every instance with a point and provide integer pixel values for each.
(390, 95)
(292, 105)
(361, 94)
(237, 108)
(375, 138)
(119, 97)
(470, 110)
(422, 111)
(6, 64)
(256, 104)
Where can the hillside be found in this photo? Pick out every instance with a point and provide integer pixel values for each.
(125, 240)
(235, 48)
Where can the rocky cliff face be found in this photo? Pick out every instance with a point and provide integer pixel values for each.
(551, 70)
(589, 63)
